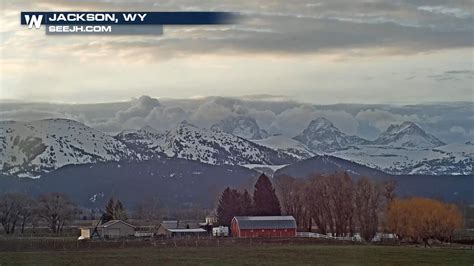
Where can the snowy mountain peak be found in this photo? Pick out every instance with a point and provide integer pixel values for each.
(320, 123)
(32, 148)
(242, 126)
(408, 134)
(217, 147)
(404, 126)
(322, 136)
(147, 142)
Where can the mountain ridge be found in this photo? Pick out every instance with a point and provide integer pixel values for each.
(30, 149)
(407, 134)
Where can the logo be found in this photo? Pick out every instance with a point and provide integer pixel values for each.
(33, 20)
(123, 23)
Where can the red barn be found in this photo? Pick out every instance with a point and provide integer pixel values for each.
(263, 226)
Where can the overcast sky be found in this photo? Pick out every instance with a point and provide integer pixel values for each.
(387, 51)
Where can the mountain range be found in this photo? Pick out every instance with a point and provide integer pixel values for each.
(32, 149)
(322, 136)
(189, 166)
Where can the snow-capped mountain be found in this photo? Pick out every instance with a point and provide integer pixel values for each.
(407, 134)
(208, 146)
(147, 142)
(322, 136)
(216, 147)
(452, 159)
(408, 149)
(401, 149)
(286, 145)
(243, 126)
(30, 148)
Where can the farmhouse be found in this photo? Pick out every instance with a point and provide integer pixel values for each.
(110, 229)
(263, 226)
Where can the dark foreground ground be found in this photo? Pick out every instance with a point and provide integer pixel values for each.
(280, 255)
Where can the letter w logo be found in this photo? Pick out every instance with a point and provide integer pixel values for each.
(34, 20)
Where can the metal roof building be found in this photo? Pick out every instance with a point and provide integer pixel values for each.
(263, 226)
(177, 228)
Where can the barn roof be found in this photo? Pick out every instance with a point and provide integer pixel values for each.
(175, 224)
(112, 222)
(195, 230)
(266, 222)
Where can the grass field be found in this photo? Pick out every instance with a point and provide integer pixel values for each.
(281, 255)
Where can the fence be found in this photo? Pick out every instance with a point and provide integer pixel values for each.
(37, 244)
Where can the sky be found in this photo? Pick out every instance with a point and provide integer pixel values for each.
(319, 52)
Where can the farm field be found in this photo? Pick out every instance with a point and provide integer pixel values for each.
(238, 255)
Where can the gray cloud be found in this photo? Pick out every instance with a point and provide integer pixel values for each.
(453, 75)
(450, 122)
(163, 119)
(458, 129)
(296, 34)
(448, 11)
(139, 108)
(29, 115)
(337, 50)
(292, 121)
(286, 27)
(382, 119)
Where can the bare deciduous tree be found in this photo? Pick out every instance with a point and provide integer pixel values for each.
(339, 205)
(342, 195)
(27, 212)
(56, 209)
(368, 200)
(149, 210)
(317, 201)
(15, 208)
(292, 194)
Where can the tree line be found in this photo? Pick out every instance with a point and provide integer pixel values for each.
(343, 206)
(17, 210)
(55, 210)
(336, 204)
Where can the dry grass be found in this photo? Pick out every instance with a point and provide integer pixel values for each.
(239, 255)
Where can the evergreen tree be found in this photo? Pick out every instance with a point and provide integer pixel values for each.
(109, 211)
(265, 200)
(228, 206)
(246, 205)
(120, 213)
(114, 210)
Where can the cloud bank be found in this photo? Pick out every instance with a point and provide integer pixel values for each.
(450, 122)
